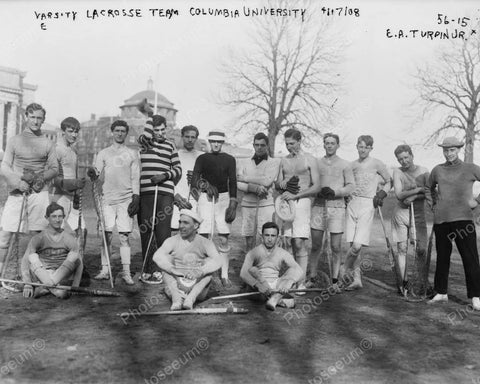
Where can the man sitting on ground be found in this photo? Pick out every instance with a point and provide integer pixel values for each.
(187, 261)
(262, 265)
(51, 257)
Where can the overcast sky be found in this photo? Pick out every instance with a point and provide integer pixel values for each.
(91, 66)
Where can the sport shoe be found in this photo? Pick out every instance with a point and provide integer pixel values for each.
(287, 303)
(301, 286)
(476, 303)
(102, 276)
(438, 298)
(127, 278)
(152, 279)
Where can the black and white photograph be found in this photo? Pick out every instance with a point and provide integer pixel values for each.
(239, 191)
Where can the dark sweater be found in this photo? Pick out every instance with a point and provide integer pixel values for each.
(219, 169)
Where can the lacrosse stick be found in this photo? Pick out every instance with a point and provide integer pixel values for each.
(326, 243)
(152, 233)
(247, 294)
(98, 207)
(198, 311)
(13, 245)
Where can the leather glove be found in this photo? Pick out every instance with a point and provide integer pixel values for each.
(189, 177)
(231, 211)
(327, 193)
(292, 185)
(92, 174)
(38, 183)
(76, 202)
(134, 206)
(209, 189)
(28, 176)
(181, 203)
(378, 198)
(158, 179)
(71, 185)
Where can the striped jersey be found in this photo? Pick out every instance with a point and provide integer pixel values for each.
(161, 158)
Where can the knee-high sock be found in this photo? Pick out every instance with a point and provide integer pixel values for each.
(125, 256)
(302, 260)
(171, 289)
(199, 290)
(104, 261)
(39, 270)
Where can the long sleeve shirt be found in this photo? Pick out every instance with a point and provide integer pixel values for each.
(219, 169)
(453, 184)
(161, 158)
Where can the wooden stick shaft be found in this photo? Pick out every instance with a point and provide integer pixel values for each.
(198, 311)
(246, 294)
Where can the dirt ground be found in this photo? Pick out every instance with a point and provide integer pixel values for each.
(368, 336)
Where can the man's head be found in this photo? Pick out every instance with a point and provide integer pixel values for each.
(34, 117)
(331, 142)
(293, 139)
(451, 148)
(364, 146)
(55, 215)
(159, 127)
(188, 223)
(270, 234)
(404, 155)
(216, 140)
(189, 137)
(260, 144)
(70, 127)
(119, 130)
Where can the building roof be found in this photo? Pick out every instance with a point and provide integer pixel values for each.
(150, 96)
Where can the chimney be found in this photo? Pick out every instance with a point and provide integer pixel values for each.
(150, 84)
(93, 117)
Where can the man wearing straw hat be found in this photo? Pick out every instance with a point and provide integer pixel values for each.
(409, 183)
(214, 186)
(451, 186)
(187, 261)
(255, 177)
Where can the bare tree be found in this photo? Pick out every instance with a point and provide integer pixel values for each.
(452, 86)
(287, 78)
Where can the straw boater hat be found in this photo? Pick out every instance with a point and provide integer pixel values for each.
(216, 135)
(195, 216)
(285, 210)
(450, 142)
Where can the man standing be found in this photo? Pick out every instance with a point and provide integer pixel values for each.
(255, 178)
(262, 265)
(297, 173)
(361, 208)
(51, 256)
(214, 186)
(328, 212)
(121, 169)
(188, 155)
(28, 165)
(187, 261)
(409, 182)
(68, 184)
(160, 167)
(453, 220)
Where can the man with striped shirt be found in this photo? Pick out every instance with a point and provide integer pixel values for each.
(160, 166)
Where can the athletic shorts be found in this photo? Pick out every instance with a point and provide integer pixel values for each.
(264, 215)
(71, 215)
(359, 220)
(335, 222)
(205, 212)
(118, 214)
(33, 213)
(300, 227)
(400, 224)
(176, 213)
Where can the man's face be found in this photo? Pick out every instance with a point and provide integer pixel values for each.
(405, 159)
(270, 236)
(293, 146)
(71, 135)
(119, 134)
(160, 132)
(451, 153)
(260, 147)
(189, 140)
(216, 145)
(330, 145)
(55, 220)
(363, 150)
(187, 226)
(34, 120)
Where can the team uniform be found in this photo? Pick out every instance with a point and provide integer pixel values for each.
(56, 260)
(162, 157)
(27, 151)
(360, 209)
(68, 166)
(265, 173)
(187, 161)
(219, 169)
(337, 174)
(297, 165)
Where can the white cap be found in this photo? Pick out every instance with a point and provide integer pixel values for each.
(216, 135)
(195, 216)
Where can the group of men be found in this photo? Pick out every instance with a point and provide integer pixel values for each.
(326, 196)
